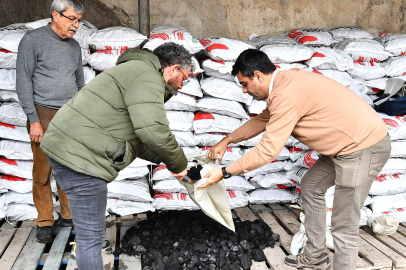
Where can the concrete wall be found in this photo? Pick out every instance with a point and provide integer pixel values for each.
(230, 18)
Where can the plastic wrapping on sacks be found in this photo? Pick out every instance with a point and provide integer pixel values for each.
(211, 122)
(19, 168)
(130, 172)
(340, 33)
(327, 58)
(115, 38)
(184, 138)
(364, 49)
(224, 89)
(222, 106)
(164, 33)
(131, 190)
(14, 183)
(388, 185)
(367, 70)
(339, 76)
(272, 180)
(308, 36)
(124, 208)
(394, 43)
(280, 53)
(395, 66)
(384, 203)
(270, 196)
(8, 79)
(10, 36)
(16, 150)
(192, 88)
(224, 49)
(180, 121)
(181, 102)
(396, 126)
(13, 114)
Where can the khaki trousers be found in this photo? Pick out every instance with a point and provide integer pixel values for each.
(353, 175)
(41, 189)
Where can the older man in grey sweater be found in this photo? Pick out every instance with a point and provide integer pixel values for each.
(49, 73)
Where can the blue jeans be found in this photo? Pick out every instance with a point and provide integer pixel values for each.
(87, 196)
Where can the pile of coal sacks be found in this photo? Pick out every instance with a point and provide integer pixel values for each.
(176, 240)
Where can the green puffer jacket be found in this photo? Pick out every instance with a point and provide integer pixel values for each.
(118, 116)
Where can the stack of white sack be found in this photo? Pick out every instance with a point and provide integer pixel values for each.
(388, 191)
(109, 43)
(396, 45)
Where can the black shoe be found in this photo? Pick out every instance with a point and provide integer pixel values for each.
(302, 260)
(44, 234)
(65, 222)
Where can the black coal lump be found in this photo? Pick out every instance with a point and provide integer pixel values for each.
(173, 240)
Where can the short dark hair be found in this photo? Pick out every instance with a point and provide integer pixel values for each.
(251, 60)
(173, 54)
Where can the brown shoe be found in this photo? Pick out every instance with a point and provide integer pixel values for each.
(302, 261)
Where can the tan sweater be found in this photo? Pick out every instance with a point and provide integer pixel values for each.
(316, 110)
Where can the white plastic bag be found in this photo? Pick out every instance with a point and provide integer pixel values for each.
(272, 167)
(8, 96)
(192, 88)
(181, 102)
(20, 168)
(394, 43)
(225, 49)
(308, 159)
(395, 66)
(102, 60)
(311, 36)
(271, 181)
(327, 58)
(396, 126)
(211, 122)
(271, 196)
(180, 121)
(89, 73)
(131, 172)
(388, 185)
(218, 69)
(13, 114)
(394, 166)
(8, 79)
(224, 89)
(10, 38)
(296, 174)
(212, 138)
(161, 34)
(173, 201)
(387, 202)
(364, 49)
(257, 106)
(287, 53)
(185, 138)
(116, 38)
(14, 183)
(222, 106)
(367, 70)
(384, 225)
(129, 190)
(16, 150)
(124, 208)
(339, 76)
(340, 33)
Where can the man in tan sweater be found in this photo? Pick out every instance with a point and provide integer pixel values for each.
(328, 117)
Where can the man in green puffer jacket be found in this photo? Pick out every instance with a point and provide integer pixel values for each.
(118, 116)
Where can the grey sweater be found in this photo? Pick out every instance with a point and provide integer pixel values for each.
(49, 70)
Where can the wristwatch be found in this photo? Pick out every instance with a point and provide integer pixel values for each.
(225, 173)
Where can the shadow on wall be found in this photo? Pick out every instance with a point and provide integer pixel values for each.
(22, 11)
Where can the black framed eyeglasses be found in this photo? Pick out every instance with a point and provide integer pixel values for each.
(73, 20)
(185, 81)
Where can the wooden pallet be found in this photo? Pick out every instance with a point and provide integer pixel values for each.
(19, 249)
(375, 252)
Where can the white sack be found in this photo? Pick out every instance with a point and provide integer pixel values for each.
(8, 96)
(14, 183)
(218, 68)
(387, 202)
(161, 34)
(274, 166)
(129, 190)
(8, 79)
(364, 49)
(104, 60)
(271, 181)
(222, 106)
(396, 126)
(400, 213)
(287, 53)
(192, 88)
(311, 36)
(398, 149)
(13, 114)
(308, 159)
(394, 43)
(212, 138)
(211, 122)
(224, 89)
(130, 172)
(271, 196)
(225, 49)
(173, 201)
(339, 76)
(367, 70)
(89, 73)
(10, 38)
(394, 166)
(180, 121)
(340, 33)
(257, 106)
(327, 58)
(16, 150)
(395, 66)
(184, 138)
(181, 102)
(124, 208)
(116, 38)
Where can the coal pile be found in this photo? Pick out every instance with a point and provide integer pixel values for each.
(177, 240)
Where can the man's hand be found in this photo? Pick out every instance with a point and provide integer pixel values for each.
(214, 176)
(219, 149)
(36, 132)
(180, 175)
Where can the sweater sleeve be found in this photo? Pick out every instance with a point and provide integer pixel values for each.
(26, 63)
(251, 128)
(282, 120)
(80, 77)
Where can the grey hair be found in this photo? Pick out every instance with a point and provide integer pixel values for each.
(173, 54)
(61, 5)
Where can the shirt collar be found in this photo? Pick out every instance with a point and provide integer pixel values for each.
(271, 84)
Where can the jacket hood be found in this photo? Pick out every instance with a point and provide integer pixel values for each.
(147, 57)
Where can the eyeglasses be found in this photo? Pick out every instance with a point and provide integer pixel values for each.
(186, 80)
(73, 20)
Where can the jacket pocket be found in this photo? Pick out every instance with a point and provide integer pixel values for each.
(378, 160)
(123, 160)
